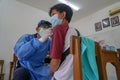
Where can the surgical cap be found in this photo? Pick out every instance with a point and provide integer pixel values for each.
(44, 23)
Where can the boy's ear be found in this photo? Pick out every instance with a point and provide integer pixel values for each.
(63, 15)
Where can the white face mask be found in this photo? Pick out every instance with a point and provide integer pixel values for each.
(41, 32)
(55, 20)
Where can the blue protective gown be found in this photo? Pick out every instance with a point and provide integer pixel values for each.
(31, 54)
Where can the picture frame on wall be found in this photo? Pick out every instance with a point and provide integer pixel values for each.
(106, 22)
(115, 21)
(98, 26)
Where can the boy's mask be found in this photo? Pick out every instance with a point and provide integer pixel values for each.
(55, 20)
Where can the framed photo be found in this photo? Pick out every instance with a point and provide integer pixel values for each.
(106, 22)
(98, 26)
(115, 21)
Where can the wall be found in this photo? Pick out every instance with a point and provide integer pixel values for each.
(16, 19)
(109, 34)
(86, 25)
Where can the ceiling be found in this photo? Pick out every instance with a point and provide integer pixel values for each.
(87, 6)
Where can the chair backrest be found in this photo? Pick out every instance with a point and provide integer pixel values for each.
(14, 58)
(118, 51)
(75, 50)
(1, 65)
(102, 58)
(12, 64)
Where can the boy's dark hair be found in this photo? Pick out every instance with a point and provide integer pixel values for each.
(61, 8)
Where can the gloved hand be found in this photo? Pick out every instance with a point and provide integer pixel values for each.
(46, 35)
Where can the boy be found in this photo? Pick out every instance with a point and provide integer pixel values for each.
(61, 15)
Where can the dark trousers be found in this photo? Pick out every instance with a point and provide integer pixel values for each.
(21, 73)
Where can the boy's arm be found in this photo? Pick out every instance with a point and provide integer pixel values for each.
(54, 64)
(56, 49)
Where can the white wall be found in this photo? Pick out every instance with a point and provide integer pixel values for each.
(86, 25)
(109, 34)
(16, 19)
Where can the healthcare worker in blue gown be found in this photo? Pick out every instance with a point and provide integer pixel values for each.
(31, 51)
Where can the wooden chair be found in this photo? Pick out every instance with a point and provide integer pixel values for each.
(118, 51)
(12, 64)
(1, 71)
(102, 58)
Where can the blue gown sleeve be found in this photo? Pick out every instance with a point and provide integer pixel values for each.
(26, 46)
(49, 45)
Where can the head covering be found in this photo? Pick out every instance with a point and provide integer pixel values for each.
(44, 23)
